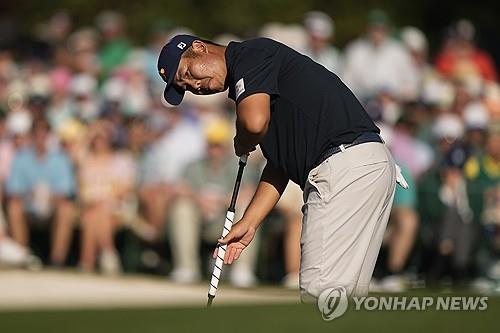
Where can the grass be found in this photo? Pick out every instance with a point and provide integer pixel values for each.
(241, 319)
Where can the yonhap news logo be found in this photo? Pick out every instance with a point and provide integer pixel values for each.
(333, 303)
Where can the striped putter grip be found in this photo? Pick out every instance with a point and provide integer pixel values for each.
(221, 252)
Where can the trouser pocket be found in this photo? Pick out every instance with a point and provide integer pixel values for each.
(318, 183)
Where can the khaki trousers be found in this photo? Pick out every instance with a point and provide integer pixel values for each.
(347, 202)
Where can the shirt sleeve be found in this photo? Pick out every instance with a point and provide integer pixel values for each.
(256, 71)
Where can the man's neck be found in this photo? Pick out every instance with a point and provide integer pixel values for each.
(220, 52)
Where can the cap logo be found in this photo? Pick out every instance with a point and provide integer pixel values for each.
(162, 73)
(181, 45)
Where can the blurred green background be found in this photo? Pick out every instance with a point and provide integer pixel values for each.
(245, 17)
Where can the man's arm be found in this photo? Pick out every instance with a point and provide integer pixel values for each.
(272, 184)
(253, 115)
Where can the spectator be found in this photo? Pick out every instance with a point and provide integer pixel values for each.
(82, 47)
(160, 32)
(476, 119)
(448, 236)
(85, 86)
(448, 129)
(459, 58)
(40, 185)
(128, 89)
(491, 100)
(136, 136)
(416, 43)
(6, 154)
(415, 154)
(11, 253)
(15, 137)
(483, 184)
(289, 206)
(85, 104)
(115, 48)
(56, 29)
(160, 172)
(377, 62)
(431, 211)
(400, 234)
(136, 139)
(199, 212)
(60, 108)
(320, 30)
(106, 177)
(9, 70)
(72, 135)
(462, 96)
(457, 234)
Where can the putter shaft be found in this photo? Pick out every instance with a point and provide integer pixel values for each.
(219, 262)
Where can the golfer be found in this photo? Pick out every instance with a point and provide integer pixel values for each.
(313, 131)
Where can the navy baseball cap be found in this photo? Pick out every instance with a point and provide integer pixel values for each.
(168, 61)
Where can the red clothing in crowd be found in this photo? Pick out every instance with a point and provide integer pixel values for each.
(450, 64)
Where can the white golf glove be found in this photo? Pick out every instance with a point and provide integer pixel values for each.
(400, 179)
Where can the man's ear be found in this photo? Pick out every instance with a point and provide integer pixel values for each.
(199, 47)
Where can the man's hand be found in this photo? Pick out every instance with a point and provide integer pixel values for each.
(238, 239)
(241, 149)
(271, 186)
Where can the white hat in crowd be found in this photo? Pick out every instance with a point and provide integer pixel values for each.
(83, 85)
(114, 89)
(414, 39)
(476, 116)
(319, 24)
(438, 92)
(19, 122)
(448, 126)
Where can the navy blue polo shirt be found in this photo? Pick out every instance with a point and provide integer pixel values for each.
(311, 108)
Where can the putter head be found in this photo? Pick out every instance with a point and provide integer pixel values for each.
(210, 300)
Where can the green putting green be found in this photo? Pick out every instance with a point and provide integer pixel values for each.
(265, 318)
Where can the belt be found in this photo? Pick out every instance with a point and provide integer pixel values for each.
(332, 150)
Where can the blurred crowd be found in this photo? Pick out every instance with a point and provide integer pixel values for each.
(98, 172)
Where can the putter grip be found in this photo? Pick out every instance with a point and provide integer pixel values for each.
(221, 252)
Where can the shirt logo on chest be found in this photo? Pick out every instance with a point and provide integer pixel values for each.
(240, 87)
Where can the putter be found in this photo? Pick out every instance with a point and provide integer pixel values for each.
(221, 249)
